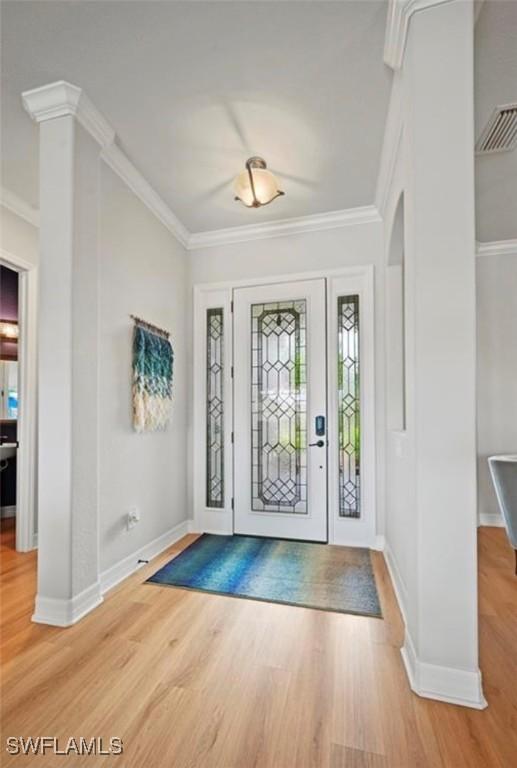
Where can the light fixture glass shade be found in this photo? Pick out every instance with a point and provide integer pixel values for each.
(256, 186)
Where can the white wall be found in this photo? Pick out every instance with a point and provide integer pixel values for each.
(400, 525)
(496, 370)
(143, 271)
(18, 237)
(356, 244)
(326, 249)
(400, 518)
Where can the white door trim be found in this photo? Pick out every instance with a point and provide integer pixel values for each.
(220, 294)
(27, 396)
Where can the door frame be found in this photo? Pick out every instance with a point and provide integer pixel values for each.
(313, 524)
(26, 537)
(357, 279)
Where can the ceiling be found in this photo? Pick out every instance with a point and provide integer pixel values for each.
(495, 84)
(195, 88)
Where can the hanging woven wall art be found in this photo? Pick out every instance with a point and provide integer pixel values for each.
(153, 360)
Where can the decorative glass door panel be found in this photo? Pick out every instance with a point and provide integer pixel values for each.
(279, 391)
(214, 408)
(279, 407)
(349, 406)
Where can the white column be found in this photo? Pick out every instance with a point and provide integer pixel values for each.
(441, 649)
(68, 559)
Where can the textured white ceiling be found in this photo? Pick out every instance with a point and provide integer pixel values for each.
(495, 84)
(194, 88)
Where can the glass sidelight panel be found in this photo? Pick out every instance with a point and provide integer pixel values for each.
(279, 407)
(214, 408)
(349, 407)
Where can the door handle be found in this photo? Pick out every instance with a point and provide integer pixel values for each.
(317, 444)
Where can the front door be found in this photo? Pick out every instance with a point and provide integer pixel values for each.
(280, 410)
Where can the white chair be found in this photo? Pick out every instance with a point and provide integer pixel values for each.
(504, 476)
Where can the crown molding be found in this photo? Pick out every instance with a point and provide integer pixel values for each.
(397, 26)
(361, 215)
(391, 146)
(61, 98)
(115, 158)
(13, 203)
(497, 248)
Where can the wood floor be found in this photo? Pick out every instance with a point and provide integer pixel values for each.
(204, 681)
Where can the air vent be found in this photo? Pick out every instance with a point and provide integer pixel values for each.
(500, 134)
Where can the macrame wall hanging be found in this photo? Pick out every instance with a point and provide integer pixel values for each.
(153, 360)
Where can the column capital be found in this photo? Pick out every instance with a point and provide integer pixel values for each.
(397, 26)
(60, 99)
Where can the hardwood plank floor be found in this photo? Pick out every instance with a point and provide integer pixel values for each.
(191, 680)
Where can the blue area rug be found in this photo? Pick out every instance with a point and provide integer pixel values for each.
(321, 576)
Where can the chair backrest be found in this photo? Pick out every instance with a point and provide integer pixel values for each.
(504, 476)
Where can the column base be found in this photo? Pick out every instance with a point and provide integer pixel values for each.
(449, 684)
(63, 612)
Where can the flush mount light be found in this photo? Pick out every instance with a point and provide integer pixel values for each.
(8, 330)
(256, 186)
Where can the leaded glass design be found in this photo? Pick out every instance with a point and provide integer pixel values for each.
(214, 408)
(349, 407)
(279, 407)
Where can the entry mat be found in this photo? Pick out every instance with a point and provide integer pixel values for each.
(321, 576)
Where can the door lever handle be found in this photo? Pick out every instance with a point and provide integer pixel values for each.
(317, 444)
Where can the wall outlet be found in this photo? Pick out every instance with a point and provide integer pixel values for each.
(133, 517)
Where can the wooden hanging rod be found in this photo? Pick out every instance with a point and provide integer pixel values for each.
(150, 326)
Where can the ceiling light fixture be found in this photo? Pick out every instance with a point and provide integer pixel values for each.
(256, 186)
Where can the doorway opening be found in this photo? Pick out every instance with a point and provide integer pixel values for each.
(18, 287)
(8, 400)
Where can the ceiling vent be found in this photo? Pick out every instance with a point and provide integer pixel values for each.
(500, 134)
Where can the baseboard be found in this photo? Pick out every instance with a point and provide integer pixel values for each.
(213, 531)
(9, 511)
(216, 521)
(379, 544)
(493, 519)
(396, 580)
(65, 612)
(124, 568)
(448, 684)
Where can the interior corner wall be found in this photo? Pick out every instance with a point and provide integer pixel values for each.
(347, 246)
(143, 270)
(496, 286)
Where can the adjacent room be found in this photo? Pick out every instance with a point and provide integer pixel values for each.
(258, 377)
